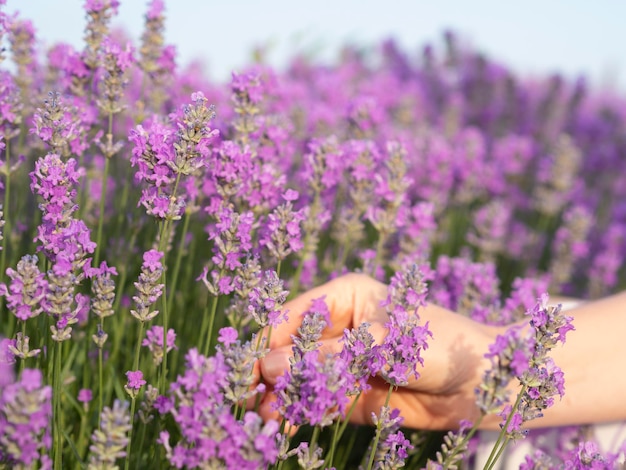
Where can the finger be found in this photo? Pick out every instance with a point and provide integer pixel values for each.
(350, 299)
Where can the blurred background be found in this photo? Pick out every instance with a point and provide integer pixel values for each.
(534, 37)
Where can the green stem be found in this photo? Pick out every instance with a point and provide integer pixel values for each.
(140, 448)
(7, 224)
(347, 450)
(130, 433)
(314, 437)
(22, 362)
(177, 263)
(58, 437)
(100, 385)
(278, 267)
(138, 347)
(82, 433)
(378, 431)
(165, 233)
(209, 335)
(101, 214)
(346, 421)
(503, 437)
(328, 462)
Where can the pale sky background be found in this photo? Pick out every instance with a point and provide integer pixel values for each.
(535, 37)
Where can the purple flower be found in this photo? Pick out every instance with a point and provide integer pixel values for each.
(246, 88)
(154, 342)
(314, 389)
(227, 336)
(26, 289)
(148, 287)
(25, 416)
(84, 395)
(240, 357)
(514, 427)
(361, 357)
(152, 260)
(266, 301)
(110, 440)
(392, 448)
(209, 434)
(406, 338)
(135, 379)
(282, 232)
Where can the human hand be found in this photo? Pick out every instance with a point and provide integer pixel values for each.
(453, 362)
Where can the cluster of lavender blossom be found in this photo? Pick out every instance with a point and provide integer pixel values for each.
(186, 212)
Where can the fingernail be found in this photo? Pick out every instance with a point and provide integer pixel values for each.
(274, 364)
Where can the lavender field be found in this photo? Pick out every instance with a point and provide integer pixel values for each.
(154, 223)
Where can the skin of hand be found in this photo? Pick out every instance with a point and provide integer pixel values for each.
(453, 362)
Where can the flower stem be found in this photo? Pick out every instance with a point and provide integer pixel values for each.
(100, 385)
(58, 438)
(177, 263)
(209, 335)
(101, 214)
(378, 431)
(130, 433)
(328, 462)
(5, 207)
(503, 438)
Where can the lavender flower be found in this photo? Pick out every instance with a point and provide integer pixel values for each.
(163, 156)
(148, 287)
(60, 127)
(406, 338)
(103, 290)
(557, 176)
(55, 181)
(115, 61)
(509, 356)
(156, 61)
(209, 434)
(20, 347)
(26, 289)
(154, 342)
(109, 442)
(266, 301)
(11, 110)
(25, 415)
(489, 230)
(309, 457)
(193, 136)
(135, 382)
(59, 300)
(240, 359)
(232, 239)
(569, 245)
(588, 455)
(99, 13)
(528, 360)
(247, 93)
(22, 41)
(314, 389)
(392, 448)
(390, 189)
(85, 395)
(2, 221)
(282, 235)
(361, 356)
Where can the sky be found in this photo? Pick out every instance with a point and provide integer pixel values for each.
(534, 37)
